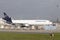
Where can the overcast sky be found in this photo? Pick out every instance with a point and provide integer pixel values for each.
(31, 9)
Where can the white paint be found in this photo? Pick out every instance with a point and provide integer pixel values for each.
(33, 22)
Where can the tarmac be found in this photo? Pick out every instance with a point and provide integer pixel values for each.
(30, 31)
(57, 30)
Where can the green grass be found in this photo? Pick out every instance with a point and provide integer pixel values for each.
(26, 36)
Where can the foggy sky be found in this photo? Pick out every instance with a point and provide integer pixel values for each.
(31, 9)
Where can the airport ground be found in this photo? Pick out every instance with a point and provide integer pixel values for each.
(7, 34)
(27, 36)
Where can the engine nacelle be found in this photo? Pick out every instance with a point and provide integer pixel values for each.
(24, 25)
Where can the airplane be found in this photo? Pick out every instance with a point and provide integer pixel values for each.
(25, 23)
(6, 20)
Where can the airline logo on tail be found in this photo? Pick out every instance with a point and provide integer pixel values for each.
(7, 18)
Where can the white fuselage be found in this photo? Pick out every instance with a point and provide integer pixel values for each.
(33, 22)
(30, 22)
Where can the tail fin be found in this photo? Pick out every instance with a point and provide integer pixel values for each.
(7, 18)
(5, 15)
